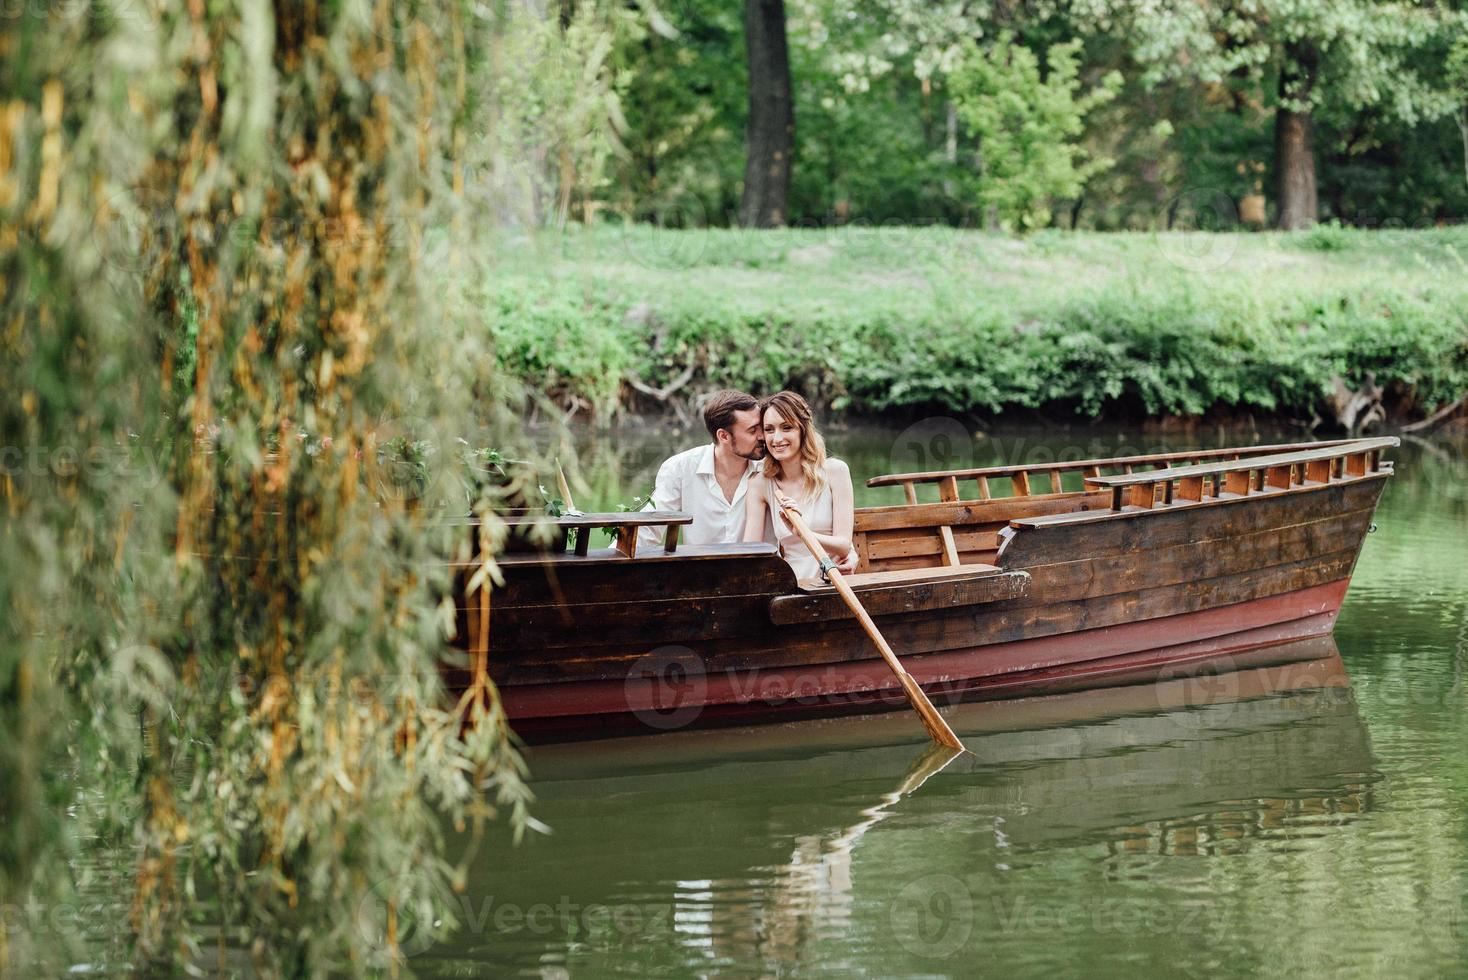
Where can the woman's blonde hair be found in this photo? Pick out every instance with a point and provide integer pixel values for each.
(793, 408)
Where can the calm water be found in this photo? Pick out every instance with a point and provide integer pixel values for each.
(1304, 820)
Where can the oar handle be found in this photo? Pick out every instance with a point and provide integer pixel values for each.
(932, 721)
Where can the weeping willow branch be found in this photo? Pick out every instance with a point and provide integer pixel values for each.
(240, 236)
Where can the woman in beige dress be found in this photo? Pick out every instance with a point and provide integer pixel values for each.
(798, 474)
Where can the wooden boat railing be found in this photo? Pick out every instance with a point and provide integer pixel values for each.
(1241, 477)
(1022, 485)
(626, 524)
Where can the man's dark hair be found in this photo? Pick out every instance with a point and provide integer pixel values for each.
(718, 411)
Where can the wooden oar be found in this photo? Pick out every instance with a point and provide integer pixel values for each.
(932, 721)
(565, 489)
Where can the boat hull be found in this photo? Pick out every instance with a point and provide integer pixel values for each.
(659, 694)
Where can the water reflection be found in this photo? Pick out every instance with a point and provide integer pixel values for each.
(842, 844)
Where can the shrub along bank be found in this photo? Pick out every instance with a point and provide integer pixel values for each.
(874, 320)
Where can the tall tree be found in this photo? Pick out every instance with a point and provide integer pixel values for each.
(1028, 124)
(1294, 137)
(770, 134)
(1322, 55)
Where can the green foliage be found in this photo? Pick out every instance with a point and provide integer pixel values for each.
(875, 320)
(227, 661)
(1190, 131)
(684, 108)
(553, 104)
(570, 342)
(1364, 48)
(1027, 124)
(1328, 236)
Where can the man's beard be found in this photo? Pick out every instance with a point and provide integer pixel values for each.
(757, 453)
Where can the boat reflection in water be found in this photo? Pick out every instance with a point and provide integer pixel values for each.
(767, 848)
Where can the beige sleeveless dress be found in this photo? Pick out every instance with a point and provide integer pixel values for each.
(819, 516)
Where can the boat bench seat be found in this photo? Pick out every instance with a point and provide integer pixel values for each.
(735, 549)
(912, 576)
(902, 591)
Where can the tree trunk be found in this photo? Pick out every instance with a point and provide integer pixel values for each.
(770, 135)
(1462, 116)
(1294, 140)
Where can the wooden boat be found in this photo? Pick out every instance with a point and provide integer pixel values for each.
(1085, 573)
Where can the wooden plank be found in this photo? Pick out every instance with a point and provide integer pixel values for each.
(966, 557)
(910, 492)
(974, 511)
(689, 552)
(901, 599)
(882, 545)
(1105, 532)
(1092, 466)
(948, 489)
(1318, 471)
(1237, 481)
(1021, 483)
(1142, 495)
(931, 573)
(950, 548)
(1190, 488)
(984, 488)
(1361, 448)
(636, 518)
(651, 575)
(1179, 564)
(1278, 476)
(917, 633)
(670, 539)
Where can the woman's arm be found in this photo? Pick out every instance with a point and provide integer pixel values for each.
(754, 508)
(843, 513)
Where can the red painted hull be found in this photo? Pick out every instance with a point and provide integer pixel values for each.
(662, 696)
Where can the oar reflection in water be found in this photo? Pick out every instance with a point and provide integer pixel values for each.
(813, 891)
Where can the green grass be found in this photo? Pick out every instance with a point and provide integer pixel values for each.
(880, 319)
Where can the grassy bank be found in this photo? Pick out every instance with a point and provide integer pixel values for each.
(873, 320)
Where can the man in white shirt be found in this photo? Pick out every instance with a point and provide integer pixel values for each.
(708, 481)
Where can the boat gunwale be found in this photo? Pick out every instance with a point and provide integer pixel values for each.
(1183, 506)
(937, 476)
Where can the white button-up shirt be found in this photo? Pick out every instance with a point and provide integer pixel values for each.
(687, 482)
